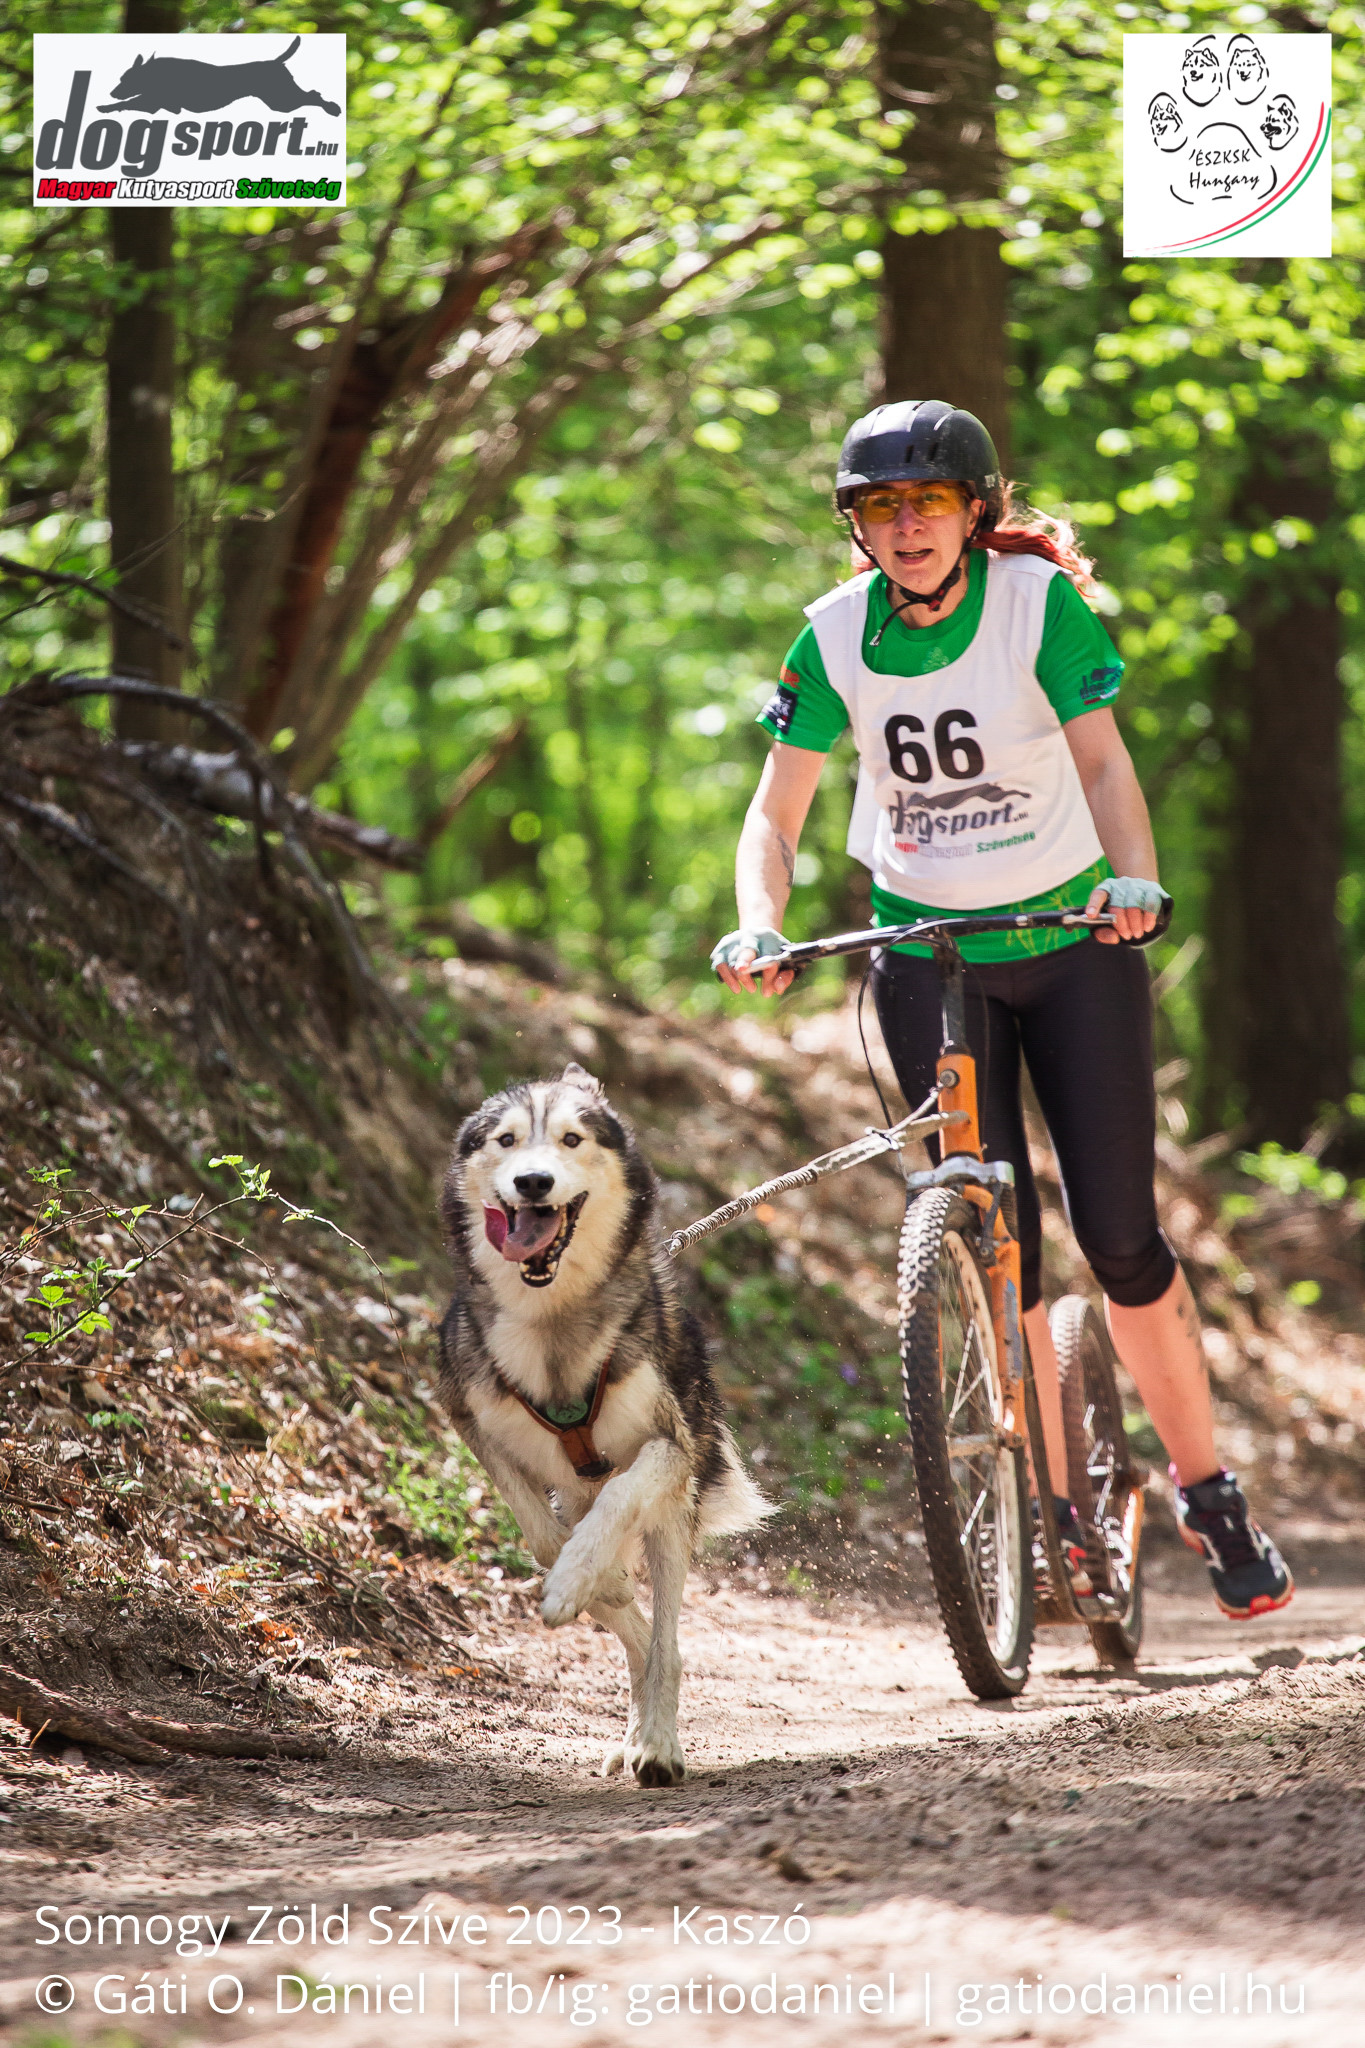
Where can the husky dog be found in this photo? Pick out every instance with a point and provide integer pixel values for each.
(1168, 129)
(579, 1383)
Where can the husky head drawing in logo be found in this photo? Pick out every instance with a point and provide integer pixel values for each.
(1201, 77)
(1168, 129)
(1247, 71)
(1280, 122)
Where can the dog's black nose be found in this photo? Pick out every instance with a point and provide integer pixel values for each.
(533, 1186)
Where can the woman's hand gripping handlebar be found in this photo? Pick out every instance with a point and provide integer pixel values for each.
(1136, 906)
(742, 954)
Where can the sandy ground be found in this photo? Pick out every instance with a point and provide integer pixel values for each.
(1174, 1856)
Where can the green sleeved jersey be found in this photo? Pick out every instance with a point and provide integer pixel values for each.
(1077, 668)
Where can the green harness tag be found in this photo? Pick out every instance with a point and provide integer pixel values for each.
(565, 1418)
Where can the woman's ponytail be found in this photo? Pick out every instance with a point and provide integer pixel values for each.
(1021, 532)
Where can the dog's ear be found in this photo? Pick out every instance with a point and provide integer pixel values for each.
(472, 1135)
(579, 1077)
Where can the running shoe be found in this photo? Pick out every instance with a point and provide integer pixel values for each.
(1249, 1575)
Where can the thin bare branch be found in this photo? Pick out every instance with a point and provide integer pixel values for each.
(472, 778)
(64, 579)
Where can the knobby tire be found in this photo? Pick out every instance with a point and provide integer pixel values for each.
(1100, 1472)
(974, 1509)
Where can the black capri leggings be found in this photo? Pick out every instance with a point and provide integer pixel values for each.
(1082, 1018)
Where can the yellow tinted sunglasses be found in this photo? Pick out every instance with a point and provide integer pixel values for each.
(881, 503)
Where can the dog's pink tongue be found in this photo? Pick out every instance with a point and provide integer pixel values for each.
(494, 1227)
(532, 1231)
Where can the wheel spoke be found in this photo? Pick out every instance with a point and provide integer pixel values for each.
(971, 1389)
(962, 1392)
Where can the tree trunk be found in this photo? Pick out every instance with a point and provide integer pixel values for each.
(1275, 996)
(944, 295)
(377, 373)
(577, 719)
(144, 538)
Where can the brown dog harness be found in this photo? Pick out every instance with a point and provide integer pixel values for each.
(573, 1426)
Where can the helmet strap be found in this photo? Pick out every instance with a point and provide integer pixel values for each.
(851, 523)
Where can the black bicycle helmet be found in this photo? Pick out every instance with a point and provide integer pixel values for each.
(921, 437)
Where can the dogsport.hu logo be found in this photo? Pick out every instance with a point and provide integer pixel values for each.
(160, 120)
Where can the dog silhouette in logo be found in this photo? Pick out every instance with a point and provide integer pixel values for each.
(179, 85)
(1168, 129)
(1247, 71)
(1280, 122)
(1200, 73)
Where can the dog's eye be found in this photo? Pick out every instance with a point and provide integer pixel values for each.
(507, 1138)
(572, 1138)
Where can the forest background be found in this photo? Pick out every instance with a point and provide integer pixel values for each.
(490, 502)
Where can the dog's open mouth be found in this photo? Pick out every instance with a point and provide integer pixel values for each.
(533, 1237)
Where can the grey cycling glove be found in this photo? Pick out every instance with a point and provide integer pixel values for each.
(765, 943)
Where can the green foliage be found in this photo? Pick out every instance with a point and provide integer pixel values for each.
(454, 1508)
(822, 1404)
(1296, 1173)
(697, 332)
(631, 618)
(59, 1297)
(1142, 1437)
(1147, 395)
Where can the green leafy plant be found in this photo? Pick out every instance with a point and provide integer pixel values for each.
(1297, 1173)
(59, 1293)
(74, 1297)
(453, 1508)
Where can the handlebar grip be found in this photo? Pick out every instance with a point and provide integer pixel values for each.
(1160, 928)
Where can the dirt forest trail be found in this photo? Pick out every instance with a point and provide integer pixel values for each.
(1189, 1830)
(239, 1504)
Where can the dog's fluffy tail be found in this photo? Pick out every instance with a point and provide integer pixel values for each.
(734, 1503)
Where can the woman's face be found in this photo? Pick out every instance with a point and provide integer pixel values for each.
(916, 549)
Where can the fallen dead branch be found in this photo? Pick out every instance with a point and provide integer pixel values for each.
(224, 785)
(143, 1738)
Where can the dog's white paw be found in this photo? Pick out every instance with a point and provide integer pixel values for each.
(559, 1604)
(657, 1763)
(614, 1761)
(574, 1585)
(569, 1588)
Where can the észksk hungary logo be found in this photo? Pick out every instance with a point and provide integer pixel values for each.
(163, 120)
(1226, 145)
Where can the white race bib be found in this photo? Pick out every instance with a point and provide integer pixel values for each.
(967, 793)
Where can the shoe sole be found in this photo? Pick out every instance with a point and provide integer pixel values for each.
(1264, 1603)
